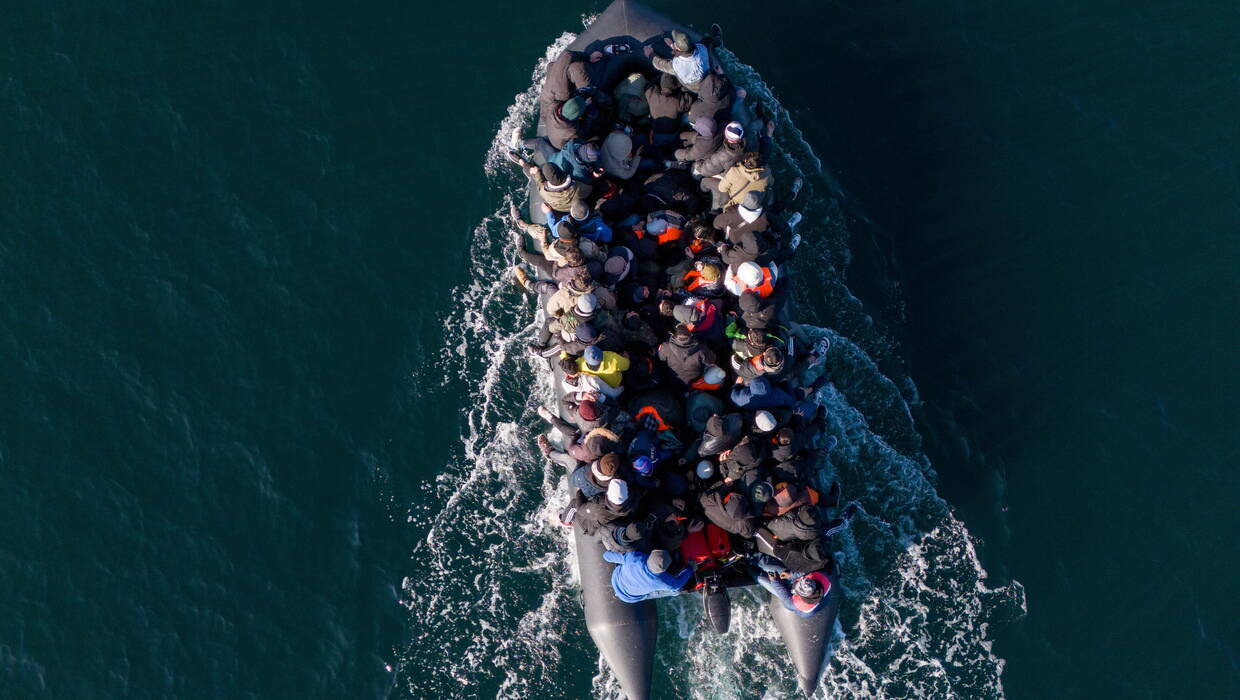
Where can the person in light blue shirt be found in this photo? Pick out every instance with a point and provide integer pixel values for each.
(642, 576)
(586, 223)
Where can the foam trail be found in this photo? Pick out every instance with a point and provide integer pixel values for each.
(915, 619)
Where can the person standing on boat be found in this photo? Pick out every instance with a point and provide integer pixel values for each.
(641, 576)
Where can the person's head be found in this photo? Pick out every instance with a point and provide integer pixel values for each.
(639, 294)
(631, 321)
(750, 302)
(752, 161)
(588, 410)
(773, 358)
(574, 257)
(705, 469)
(681, 43)
(761, 492)
(633, 533)
(586, 332)
(667, 307)
(681, 333)
(714, 374)
(593, 356)
(579, 211)
(784, 437)
(618, 492)
(668, 82)
(808, 592)
(710, 272)
(658, 561)
(573, 108)
(587, 304)
(749, 273)
(553, 175)
(756, 338)
(609, 464)
(581, 283)
(734, 132)
(568, 366)
(752, 201)
(588, 152)
(616, 267)
(643, 465)
(764, 421)
(566, 231)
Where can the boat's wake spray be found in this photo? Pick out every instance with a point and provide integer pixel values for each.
(493, 600)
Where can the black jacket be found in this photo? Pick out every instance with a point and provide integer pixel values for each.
(722, 433)
(686, 360)
(729, 509)
(790, 527)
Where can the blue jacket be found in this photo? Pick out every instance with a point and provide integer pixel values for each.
(593, 227)
(634, 582)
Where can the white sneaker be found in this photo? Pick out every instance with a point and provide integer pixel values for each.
(794, 220)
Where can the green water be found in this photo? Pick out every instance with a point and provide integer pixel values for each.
(265, 433)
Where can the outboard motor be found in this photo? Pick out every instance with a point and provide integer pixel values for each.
(717, 604)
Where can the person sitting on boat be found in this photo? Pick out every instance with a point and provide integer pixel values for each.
(749, 175)
(743, 461)
(619, 158)
(566, 297)
(746, 218)
(769, 364)
(752, 277)
(801, 593)
(690, 60)
(699, 142)
(727, 505)
(640, 576)
(721, 434)
(667, 104)
(608, 366)
(594, 514)
(715, 97)
(593, 478)
(761, 393)
(585, 223)
(756, 311)
(627, 537)
(728, 152)
(685, 356)
(556, 189)
(580, 385)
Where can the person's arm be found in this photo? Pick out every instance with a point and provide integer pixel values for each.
(613, 557)
(622, 362)
(682, 578)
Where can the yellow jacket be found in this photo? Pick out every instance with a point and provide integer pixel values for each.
(609, 370)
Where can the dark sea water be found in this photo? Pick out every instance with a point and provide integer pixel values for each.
(266, 427)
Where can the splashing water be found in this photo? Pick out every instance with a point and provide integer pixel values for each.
(493, 603)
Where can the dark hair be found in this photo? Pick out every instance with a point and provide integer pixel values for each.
(568, 365)
(574, 257)
(751, 160)
(681, 332)
(756, 337)
(784, 436)
(666, 306)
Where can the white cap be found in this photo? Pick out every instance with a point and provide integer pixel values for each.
(750, 273)
(587, 303)
(705, 469)
(656, 226)
(714, 374)
(764, 421)
(618, 492)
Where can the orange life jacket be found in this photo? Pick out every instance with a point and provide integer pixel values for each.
(701, 384)
(670, 235)
(764, 289)
(651, 411)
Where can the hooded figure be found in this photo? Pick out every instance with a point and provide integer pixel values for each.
(743, 460)
(804, 557)
(699, 142)
(721, 434)
(715, 95)
(616, 157)
(749, 175)
(685, 356)
(729, 152)
(556, 188)
(799, 524)
(748, 216)
(729, 509)
(667, 103)
(755, 311)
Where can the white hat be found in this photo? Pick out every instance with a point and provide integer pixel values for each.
(705, 469)
(764, 421)
(618, 492)
(714, 374)
(587, 303)
(656, 226)
(750, 273)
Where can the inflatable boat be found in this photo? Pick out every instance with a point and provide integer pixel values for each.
(625, 633)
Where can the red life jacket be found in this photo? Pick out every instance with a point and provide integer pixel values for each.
(701, 385)
(670, 235)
